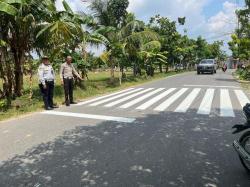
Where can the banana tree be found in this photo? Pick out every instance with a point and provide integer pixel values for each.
(67, 30)
(13, 45)
(150, 52)
(60, 29)
(19, 20)
(134, 36)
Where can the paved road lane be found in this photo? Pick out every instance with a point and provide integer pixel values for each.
(172, 132)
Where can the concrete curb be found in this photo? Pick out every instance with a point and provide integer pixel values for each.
(243, 81)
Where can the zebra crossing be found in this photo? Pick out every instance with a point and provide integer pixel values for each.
(163, 99)
(206, 103)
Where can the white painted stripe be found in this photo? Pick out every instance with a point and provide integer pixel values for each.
(90, 116)
(171, 100)
(102, 97)
(155, 99)
(242, 97)
(115, 97)
(183, 107)
(206, 104)
(127, 98)
(212, 86)
(129, 104)
(226, 108)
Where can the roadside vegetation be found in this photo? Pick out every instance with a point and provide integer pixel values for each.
(133, 50)
(240, 43)
(243, 73)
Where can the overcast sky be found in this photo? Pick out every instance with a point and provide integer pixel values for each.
(211, 19)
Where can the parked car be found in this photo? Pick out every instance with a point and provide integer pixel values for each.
(178, 67)
(207, 66)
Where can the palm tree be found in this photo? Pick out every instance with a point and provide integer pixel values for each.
(110, 16)
(152, 55)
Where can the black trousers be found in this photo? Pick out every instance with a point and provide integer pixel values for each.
(47, 93)
(68, 90)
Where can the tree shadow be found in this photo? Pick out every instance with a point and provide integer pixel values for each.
(166, 149)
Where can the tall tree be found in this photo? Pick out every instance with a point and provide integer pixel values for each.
(168, 35)
(110, 15)
(240, 43)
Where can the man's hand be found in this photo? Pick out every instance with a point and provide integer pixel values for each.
(62, 83)
(44, 86)
(81, 78)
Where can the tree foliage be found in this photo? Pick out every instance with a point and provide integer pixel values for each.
(240, 43)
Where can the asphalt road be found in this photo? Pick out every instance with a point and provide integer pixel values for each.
(172, 132)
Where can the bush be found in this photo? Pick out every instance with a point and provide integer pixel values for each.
(244, 74)
(3, 105)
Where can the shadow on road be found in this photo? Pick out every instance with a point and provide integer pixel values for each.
(158, 150)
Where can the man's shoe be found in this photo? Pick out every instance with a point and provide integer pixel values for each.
(67, 103)
(73, 103)
(48, 108)
(54, 106)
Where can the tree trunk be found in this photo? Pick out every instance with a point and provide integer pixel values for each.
(160, 67)
(18, 59)
(6, 75)
(120, 74)
(167, 68)
(30, 81)
(134, 70)
(85, 57)
(112, 71)
(123, 73)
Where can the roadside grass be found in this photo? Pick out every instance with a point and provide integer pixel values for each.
(98, 84)
(246, 86)
(243, 80)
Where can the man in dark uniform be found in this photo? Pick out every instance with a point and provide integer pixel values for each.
(46, 82)
(67, 72)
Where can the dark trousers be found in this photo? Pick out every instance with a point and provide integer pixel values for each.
(47, 93)
(68, 90)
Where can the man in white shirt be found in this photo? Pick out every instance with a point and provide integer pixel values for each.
(46, 75)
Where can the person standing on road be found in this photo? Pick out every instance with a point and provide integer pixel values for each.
(46, 75)
(67, 72)
(224, 68)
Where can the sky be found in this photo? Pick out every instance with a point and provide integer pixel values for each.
(211, 19)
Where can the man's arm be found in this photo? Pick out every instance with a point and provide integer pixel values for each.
(76, 73)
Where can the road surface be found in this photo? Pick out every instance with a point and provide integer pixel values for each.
(172, 132)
